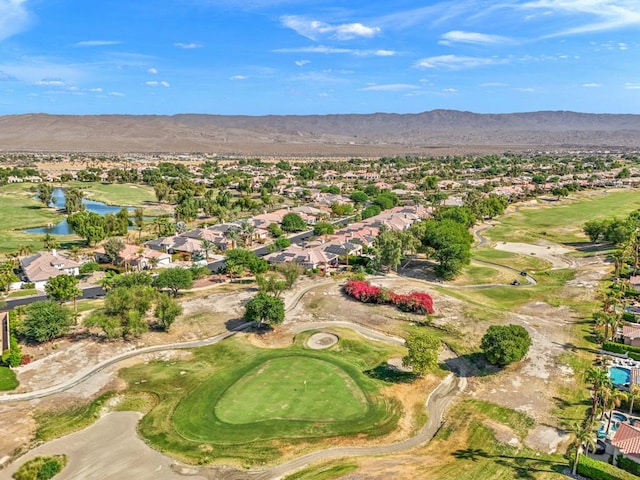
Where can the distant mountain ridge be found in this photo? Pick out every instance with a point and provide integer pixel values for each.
(317, 134)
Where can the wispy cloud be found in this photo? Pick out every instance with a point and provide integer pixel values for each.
(116, 94)
(239, 77)
(315, 29)
(188, 46)
(525, 89)
(602, 15)
(632, 86)
(494, 84)
(154, 83)
(14, 17)
(96, 43)
(96, 90)
(335, 50)
(152, 71)
(51, 82)
(455, 62)
(591, 85)
(302, 63)
(392, 87)
(458, 36)
(450, 90)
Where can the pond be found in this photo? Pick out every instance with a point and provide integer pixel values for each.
(62, 227)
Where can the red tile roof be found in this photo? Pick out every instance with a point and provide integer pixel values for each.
(627, 439)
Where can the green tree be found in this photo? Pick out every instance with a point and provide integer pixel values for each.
(582, 436)
(73, 200)
(45, 193)
(388, 250)
(112, 249)
(45, 321)
(323, 228)
(359, 197)
(282, 243)
(271, 284)
(370, 211)
(175, 279)
(505, 344)
(450, 242)
(167, 310)
(138, 219)
(291, 271)
(264, 308)
(422, 352)
(49, 242)
(292, 222)
(63, 288)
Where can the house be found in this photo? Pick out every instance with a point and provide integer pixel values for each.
(136, 257)
(631, 334)
(634, 282)
(626, 442)
(307, 258)
(39, 268)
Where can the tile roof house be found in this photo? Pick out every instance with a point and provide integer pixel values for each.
(42, 266)
(136, 257)
(307, 258)
(631, 334)
(626, 442)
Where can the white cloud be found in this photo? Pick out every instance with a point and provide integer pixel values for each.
(314, 29)
(14, 17)
(632, 86)
(392, 87)
(592, 85)
(494, 84)
(51, 82)
(455, 62)
(188, 46)
(96, 43)
(238, 77)
(605, 14)
(525, 89)
(152, 71)
(154, 83)
(302, 63)
(96, 90)
(450, 90)
(116, 94)
(458, 36)
(334, 50)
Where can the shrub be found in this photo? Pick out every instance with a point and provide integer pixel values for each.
(596, 470)
(363, 291)
(628, 465)
(41, 468)
(505, 344)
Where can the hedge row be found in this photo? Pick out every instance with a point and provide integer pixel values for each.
(595, 470)
(634, 352)
(363, 291)
(628, 465)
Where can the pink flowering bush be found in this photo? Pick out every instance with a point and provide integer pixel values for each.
(416, 302)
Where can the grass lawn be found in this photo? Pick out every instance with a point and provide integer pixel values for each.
(237, 401)
(513, 260)
(118, 194)
(562, 221)
(297, 388)
(466, 448)
(8, 380)
(476, 274)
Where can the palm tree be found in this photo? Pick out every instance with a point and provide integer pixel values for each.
(611, 399)
(24, 250)
(600, 381)
(49, 242)
(583, 436)
(207, 246)
(633, 394)
(246, 232)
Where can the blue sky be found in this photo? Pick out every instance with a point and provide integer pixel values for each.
(260, 57)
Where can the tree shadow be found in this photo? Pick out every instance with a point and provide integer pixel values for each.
(589, 247)
(470, 365)
(390, 374)
(522, 467)
(233, 325)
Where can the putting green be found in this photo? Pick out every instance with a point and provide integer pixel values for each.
(299, 388)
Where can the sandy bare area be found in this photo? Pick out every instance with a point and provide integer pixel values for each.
(110, 448)
(551, 252)
(321, 340)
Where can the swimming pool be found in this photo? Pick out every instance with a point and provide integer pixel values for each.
(619, 417)
(619, 375)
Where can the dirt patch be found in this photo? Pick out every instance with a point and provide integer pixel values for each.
(550, 252)
(322, 340)
(110, 448)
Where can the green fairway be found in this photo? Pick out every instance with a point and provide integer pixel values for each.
(513, 260)
(298, 388)
(563, 221)
(234, 400)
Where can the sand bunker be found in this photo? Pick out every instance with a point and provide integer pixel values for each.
(319, 341)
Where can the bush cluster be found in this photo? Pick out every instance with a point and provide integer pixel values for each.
(596, 470)
(633, 352)
(363, 291)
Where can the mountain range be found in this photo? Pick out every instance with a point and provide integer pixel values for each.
(433, 132)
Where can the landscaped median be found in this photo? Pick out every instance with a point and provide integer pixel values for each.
(236, 401)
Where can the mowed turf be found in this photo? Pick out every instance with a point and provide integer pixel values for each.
(236, 401)
(298, 388)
